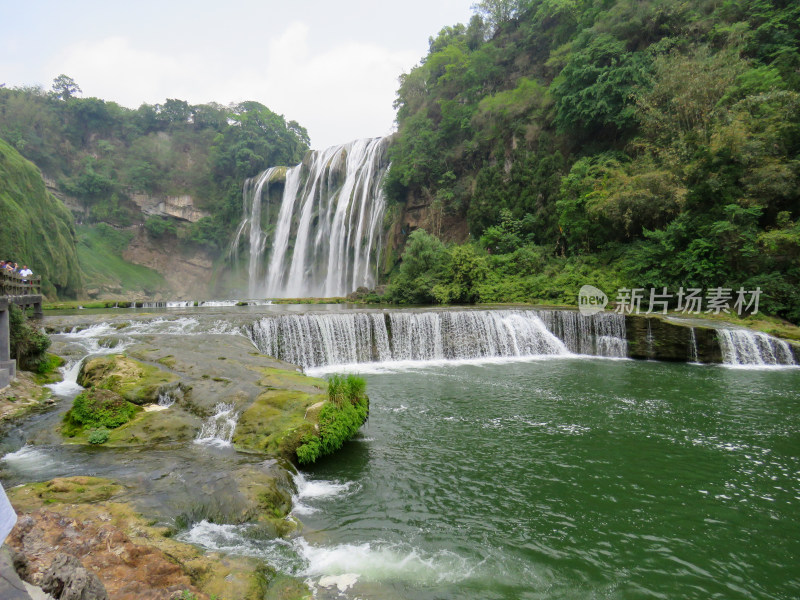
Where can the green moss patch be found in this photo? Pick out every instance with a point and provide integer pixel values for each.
(63, 490)
(135, 381)
(47, 370)
(282, 379)
(157, 427)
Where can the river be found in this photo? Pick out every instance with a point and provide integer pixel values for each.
(542, 477)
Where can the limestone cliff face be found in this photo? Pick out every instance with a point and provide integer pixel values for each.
(187, 273)
(178, 207)
(419, 212)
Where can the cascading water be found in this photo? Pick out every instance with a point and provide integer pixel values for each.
(602, 334)
(251, 223)
(693, 346)
(169, 395)
(314, 340)
(745, 347)
(328, 231)
(218, 428)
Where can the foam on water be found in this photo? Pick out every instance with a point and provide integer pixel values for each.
(326, 564)
(315, 489)
(384, 561)
(240, 540)
(37, 463)
(399, 366)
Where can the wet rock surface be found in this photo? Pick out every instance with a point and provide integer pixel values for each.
(155, 465)
(77, 535)
(66, 579)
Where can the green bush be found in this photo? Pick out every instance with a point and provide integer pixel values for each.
(339, 419)
(28, 345)
(97, 408)
(159, 227)
(99, 436)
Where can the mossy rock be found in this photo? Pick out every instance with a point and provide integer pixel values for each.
(276, 422)
(63, 490)
(284, 379)
(135, 381)
(656, 338)
(157, 427)
(338, 422)
(95, 408)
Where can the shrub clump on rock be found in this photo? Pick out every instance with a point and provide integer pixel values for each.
(340, 418)
(97, 409)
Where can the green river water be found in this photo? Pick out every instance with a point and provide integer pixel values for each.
(575, 478)
(540, 479)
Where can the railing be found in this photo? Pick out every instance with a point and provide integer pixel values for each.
(13, 284)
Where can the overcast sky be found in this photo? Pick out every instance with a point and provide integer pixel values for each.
(331, 66)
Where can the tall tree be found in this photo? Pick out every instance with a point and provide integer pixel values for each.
(64, 87)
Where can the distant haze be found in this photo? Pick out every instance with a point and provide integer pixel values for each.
(331, 66)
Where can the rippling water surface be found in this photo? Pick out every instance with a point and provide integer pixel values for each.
(567, 479)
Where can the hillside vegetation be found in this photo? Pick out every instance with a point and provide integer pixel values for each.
(101, 154)
(37, 229)
(647, 144)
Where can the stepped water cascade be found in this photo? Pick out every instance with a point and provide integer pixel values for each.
(315, 340)
(327, 235)
(745, 347)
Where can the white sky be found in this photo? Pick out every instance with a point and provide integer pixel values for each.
(331, 66)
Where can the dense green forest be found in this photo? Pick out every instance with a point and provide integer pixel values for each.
(101, 153)
(618, 143)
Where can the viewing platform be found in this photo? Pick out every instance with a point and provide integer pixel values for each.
(26, 292)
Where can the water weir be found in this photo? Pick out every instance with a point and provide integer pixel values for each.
(326, 237)
(314, 340)
(744, 347)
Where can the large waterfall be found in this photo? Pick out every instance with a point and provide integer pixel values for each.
(313, 340)
(325, 237)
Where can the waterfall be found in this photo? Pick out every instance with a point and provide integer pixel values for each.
(251, 223)
(693, 346)
(167, 396)
(745, 347)
(328, 231)
(314, 340)
(602, 334)
(218, 428)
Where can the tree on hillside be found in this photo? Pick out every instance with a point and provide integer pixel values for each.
(64, 87)
(497, 12)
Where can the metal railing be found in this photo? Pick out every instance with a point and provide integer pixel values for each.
(13, 284)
